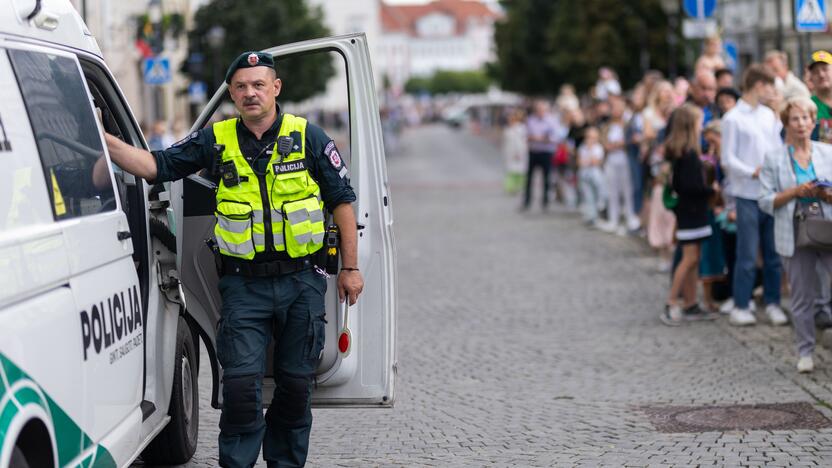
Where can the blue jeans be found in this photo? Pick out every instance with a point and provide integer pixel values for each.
(544, 161)
(755, 231)
(637, 176)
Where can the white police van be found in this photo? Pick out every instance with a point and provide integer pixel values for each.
(106, 284)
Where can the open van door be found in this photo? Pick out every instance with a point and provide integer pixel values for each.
(358, 365)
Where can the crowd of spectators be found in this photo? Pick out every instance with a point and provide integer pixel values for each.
(716, 173)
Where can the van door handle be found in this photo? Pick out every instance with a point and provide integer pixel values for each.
(124, 235)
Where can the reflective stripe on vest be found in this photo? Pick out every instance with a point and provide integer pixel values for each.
(243, 249)
(293, 201)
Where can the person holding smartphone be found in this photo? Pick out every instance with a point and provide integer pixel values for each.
(794, 180)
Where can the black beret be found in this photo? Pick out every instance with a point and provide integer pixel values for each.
(249, 59)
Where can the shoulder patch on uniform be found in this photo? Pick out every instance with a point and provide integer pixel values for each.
(186, 139)
(329, 147)
(331, 152)
(335, 159)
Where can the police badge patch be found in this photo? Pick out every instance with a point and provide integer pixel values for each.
(335, 159)
(329, 147)
(331, 152)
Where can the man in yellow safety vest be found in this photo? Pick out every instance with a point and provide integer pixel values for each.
(277, 177)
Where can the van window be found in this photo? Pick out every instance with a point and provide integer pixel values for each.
(67, 135)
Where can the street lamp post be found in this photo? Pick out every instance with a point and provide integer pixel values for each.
(216, 38)
(154, 16)
(671, 9)
(779, 7)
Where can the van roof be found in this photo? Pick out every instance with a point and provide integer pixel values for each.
(54, 21)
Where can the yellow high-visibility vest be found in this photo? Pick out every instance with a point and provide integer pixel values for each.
(285, 201)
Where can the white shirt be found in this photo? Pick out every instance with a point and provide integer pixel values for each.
(588, 154)
(791, 87)
(605, 88)
(515, 148)
(615, 134)
(748, 133)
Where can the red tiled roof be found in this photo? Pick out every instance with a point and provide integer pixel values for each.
(402, 18)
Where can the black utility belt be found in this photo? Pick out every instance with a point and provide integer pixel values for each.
(233, 266)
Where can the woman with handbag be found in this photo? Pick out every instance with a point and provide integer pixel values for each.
(793, 193)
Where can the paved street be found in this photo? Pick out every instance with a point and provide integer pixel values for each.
(528, 340)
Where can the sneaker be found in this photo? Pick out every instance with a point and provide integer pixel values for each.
(633, 224)
(742, 317)
(696, 313)
(672, 316)
(606, 226)
(727, 306)
(776, 315)
(823, 318)
(621, 231)
(664, 266)
(805, 364)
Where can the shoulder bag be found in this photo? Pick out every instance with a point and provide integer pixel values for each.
(811, 229)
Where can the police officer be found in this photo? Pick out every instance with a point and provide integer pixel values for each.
(277, 173)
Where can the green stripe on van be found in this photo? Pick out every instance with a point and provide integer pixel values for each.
(71, 440)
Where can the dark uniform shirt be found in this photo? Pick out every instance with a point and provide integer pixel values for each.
(196, 152)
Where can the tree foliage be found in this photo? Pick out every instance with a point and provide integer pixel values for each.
(542, 44)
(257, 25)
(446, 81)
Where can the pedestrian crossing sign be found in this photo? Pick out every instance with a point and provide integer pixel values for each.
(810, 15)
(156, 70)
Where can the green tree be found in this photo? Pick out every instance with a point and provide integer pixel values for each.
(459, 82)
(544, 43)
(446, 81)
(418, 85)
(522, 46)
(256, 25)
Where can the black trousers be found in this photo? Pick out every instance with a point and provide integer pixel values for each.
(544, 161)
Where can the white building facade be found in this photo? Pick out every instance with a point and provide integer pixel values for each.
(342, 17)
(114, 25)
(418, 40)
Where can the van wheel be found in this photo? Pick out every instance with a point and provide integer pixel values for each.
(176, 444)
(18, 460)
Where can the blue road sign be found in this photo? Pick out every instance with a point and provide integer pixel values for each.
(156, 70)
(810, 15)
(732, 57)
(699, 8)
(198, 92)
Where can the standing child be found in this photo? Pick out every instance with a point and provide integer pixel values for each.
(661, 222)
(688, 181)
(712, 268)
(515, 151)
(617, 169)
(590, 177)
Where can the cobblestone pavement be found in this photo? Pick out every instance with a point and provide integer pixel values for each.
(528, 340)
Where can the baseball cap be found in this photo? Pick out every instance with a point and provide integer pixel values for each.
(820, 56)
(249, 59)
